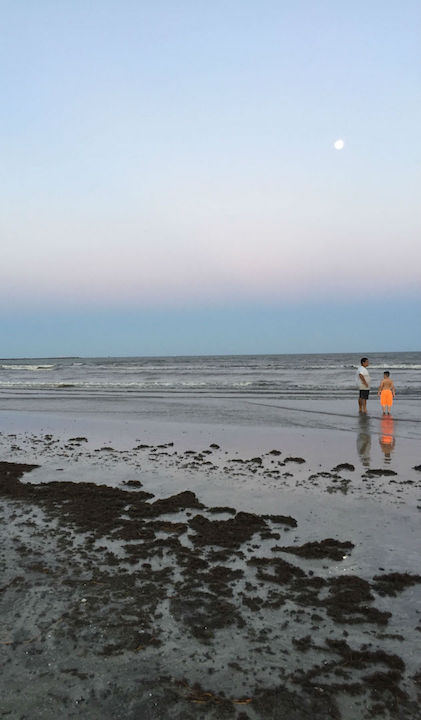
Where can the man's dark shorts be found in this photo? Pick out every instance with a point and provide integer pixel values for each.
(364, 394)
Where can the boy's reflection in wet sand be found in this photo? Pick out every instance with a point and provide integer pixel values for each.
(364, 440)
(387, 436)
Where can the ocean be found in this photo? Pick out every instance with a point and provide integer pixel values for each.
(281, 376)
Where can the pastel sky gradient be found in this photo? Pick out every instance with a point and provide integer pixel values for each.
(169, 182)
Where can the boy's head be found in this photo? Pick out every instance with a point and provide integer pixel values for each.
(386, 373)
(364, 361)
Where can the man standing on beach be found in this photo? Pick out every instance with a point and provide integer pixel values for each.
(363, 378)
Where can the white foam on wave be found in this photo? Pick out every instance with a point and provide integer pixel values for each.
(396, 366)
(26, 367)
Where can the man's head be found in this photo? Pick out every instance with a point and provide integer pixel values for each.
(364, 362)
(386, 373)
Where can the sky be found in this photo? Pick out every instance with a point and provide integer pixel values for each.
(170, 185)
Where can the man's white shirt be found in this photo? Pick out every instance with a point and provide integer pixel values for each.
(363, 371)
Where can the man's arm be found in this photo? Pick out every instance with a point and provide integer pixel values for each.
(362, 378)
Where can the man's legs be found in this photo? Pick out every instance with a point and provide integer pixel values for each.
(362, 404)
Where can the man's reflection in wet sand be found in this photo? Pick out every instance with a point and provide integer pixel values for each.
(364, 440)
(387, 436)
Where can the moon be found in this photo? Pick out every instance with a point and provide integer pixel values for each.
(338, 144)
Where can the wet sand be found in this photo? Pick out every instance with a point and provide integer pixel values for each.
(182, 569)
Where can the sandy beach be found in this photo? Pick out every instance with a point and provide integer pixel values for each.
(158, 565)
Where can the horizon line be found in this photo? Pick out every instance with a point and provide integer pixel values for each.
(199, 355)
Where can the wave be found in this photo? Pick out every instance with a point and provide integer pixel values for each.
(27, 367)
(188, 366)
(240, 365)
(396, 366)
(372, 366)
(235, 388)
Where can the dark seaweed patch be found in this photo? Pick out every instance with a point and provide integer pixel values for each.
(328, 548)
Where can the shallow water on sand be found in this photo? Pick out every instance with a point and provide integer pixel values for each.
(70, 620)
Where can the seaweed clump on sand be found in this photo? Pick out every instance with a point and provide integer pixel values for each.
(328, 548)
(394, 583)
(227, 533)
(143, 568)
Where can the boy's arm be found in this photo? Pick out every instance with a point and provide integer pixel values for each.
(393, 389)
(380, 387)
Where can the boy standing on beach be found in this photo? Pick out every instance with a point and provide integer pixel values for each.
(363, 378)
(386, 393)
